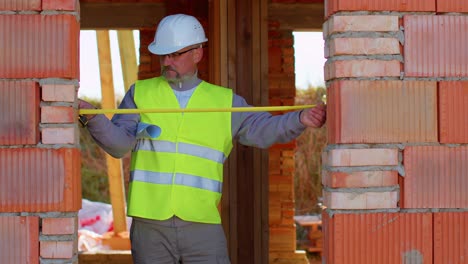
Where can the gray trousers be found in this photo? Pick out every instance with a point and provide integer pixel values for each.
(175, 241)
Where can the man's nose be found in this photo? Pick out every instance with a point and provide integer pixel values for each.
(165, 60)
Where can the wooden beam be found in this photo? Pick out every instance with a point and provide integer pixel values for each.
(218, 42)
(127, 57)
(114, 166)
(298, 16)
(120, 15)
(248, 76)
(260, 97)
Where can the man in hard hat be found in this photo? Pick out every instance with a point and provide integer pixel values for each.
(176, 170)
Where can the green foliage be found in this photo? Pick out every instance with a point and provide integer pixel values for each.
(308, 181)
(95, 185)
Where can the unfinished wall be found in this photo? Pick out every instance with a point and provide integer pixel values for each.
(282, 90)
(396, 165)
(40, 186)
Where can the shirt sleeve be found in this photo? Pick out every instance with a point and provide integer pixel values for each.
(118, 135)
(262, 129)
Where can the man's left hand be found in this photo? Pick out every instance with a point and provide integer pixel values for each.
(314, 117)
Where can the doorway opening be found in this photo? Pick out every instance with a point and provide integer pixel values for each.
(104, 73)
(310, 89)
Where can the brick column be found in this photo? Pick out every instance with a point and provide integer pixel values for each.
(396, 165)
(40, 185)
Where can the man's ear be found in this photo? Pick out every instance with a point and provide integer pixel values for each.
(198, 55)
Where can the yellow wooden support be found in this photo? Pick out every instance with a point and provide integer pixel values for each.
(127, 57)
(114, 166)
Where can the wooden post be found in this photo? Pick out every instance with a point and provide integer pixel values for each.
(127, 57)
(114, 166)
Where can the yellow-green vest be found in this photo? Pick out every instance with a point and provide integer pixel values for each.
(180, 172)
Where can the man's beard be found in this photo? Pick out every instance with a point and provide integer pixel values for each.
(177, 79)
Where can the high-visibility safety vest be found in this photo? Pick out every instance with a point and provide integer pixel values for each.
(180, 172)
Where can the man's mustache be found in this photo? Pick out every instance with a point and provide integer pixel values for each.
(168, 68)
(164, 71)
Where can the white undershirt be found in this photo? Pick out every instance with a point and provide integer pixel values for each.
(183, 96)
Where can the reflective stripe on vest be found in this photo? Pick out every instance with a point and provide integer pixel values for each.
(178, 178)
(183, 148)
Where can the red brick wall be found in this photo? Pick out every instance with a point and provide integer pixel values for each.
(40, 184)
(397, 132)
(282, 90)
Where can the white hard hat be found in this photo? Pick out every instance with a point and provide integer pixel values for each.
(176, 32)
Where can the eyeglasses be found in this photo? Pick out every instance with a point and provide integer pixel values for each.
(176, 55)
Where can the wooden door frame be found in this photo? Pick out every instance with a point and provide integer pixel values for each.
(239, 60)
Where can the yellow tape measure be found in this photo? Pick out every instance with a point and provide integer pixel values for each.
(178, 110)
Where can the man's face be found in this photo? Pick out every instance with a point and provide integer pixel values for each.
(178, 65)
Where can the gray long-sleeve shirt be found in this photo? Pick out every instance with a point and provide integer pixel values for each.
(258, 129)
